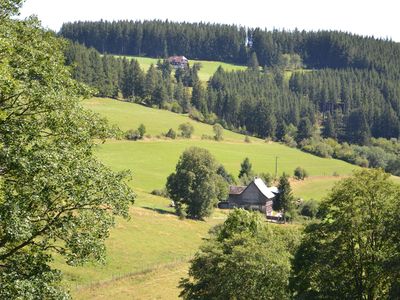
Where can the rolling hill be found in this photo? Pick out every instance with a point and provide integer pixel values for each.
(153, 159)
(154, 245)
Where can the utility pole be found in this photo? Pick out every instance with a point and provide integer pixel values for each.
(276, 166)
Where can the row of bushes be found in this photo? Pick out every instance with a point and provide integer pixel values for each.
(186, 131)
(381, 153)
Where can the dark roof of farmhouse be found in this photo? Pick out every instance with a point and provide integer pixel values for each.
(236, 190)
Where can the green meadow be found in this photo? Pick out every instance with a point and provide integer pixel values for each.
(148, 254)
(129, 116)
(151, 237)
(152, 161)
(207, 69)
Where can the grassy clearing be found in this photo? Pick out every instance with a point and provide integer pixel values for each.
(208, 68)
(318, 187)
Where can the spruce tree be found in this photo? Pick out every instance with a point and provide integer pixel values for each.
(305, 129)
(284, 200)
(253, 62)
(328, 130)
(245, 168)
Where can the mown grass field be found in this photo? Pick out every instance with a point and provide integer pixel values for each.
(208, 68)
(148, 254)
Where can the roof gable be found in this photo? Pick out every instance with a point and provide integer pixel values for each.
(268, 192)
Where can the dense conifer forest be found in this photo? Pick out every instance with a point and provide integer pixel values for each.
(303, 88)
(322, 49)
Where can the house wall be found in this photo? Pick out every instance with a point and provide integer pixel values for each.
(251, 198)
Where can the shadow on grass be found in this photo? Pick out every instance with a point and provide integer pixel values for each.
(160, 210)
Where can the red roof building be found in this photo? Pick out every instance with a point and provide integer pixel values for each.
(178, 61)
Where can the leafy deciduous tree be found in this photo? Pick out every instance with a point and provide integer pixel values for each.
(195, 185)
(353, 253)
(55, 197)
(243, 259)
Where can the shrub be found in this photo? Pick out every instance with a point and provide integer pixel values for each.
(176, 108)
(196, 115)
(132, 134)
(160, 192)
(309, 208)
(141, 130)
(171, 134)
(218, 131)
(166, 105)
(289, 141)
(247, 139)
(323, 150)
(211, 118)
(186, 129)
(300, 173)
(362, 162)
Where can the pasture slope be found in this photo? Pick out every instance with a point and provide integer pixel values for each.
(154, 158)
(148, 253)
(207, 69)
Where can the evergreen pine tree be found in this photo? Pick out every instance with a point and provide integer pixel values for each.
(245, 168)
(253, 62)
(328, 130)
(284, 200)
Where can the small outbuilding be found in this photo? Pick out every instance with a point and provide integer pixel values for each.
(255, 196)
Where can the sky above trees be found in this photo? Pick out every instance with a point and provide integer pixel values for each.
(369, 17)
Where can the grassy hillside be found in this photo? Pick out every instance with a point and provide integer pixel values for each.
(208, 68)
(129, 116)
(153, 160)
(158, 283)
(151, 239)
(152, 173)
(148, 254)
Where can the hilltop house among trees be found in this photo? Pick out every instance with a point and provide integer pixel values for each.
(255, 196)
(178, 62)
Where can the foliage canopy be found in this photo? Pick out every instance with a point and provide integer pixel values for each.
(354, 252)
(195, 186)
(55, 197)
(243, 259)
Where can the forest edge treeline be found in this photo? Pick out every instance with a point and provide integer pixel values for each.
(352, 94)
